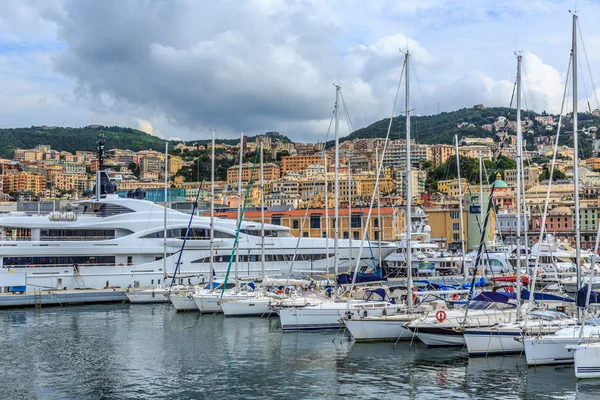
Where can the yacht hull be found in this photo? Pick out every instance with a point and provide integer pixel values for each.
(183, 303)
(438, 337)
(485, 342)
(326, 316)
(380, 329)
(246, 308)
(587, 361)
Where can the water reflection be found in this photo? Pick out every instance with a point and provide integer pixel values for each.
(121, 351)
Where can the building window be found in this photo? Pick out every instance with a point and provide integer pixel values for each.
(355, 221)
(305, 234)
(455, 237)
(454, 214)
(376, 222)
(456, 226)
(276, 220)
(376, 235)
(315, 221)
(355, 234)
(295, 224)
(346, 236)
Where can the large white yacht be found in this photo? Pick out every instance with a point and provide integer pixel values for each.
(119, 242)
(114, 241)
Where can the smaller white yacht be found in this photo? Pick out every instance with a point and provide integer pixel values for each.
(445, 328)
(327, 315)
(586, 357)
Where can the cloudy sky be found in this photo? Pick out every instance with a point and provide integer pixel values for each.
(176, 68)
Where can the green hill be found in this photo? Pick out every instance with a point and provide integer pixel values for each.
(441, 128)
(72, 139)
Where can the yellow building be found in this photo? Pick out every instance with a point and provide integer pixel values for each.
(440, 154)
(450, 187)
(270, 172)
(593, 163)
(530, 176)
(175, 163)
(23, 181)
(476, 151)
(445, 226)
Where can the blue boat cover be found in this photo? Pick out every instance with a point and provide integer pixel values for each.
(545, 297)
(495, 297)
(346, 278)
(582, 295)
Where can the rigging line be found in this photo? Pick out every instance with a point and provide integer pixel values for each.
(348, 120)
(584, 85)
(529, 87)
(594, 88)
(379, 167)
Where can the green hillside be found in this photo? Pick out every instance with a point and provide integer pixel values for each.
(441, 128)
(72, 139)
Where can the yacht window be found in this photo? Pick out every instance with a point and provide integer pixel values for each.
(223, 235)
(77, 234)
(24, 262)
(108, 210)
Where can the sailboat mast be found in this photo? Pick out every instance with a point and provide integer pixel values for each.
(212, 209)
(349, 210)
(262, 213)
(239, 206)
(379, 239)
(576, 156)
(518, 208)
(408, 257)
(460, 207)
(326, 197)
(165, 215)
(336, 189)
(480, 192)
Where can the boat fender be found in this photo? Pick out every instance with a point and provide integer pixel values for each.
(440, 316)
(365, 313)
(153, 293)
(31, 266)
(414, 296)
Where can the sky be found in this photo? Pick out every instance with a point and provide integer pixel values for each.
(177, 68)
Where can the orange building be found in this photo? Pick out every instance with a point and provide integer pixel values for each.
(300, 162)
(315, 224)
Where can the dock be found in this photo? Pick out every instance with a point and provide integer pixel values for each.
(44, 298)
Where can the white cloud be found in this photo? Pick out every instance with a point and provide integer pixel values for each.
(180, 68)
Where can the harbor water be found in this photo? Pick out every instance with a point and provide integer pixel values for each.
(149, 351)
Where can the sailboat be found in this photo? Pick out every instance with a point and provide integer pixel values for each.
(386, 326)
(257, 301)
(502, 338)
(555, 348)
(327, 315)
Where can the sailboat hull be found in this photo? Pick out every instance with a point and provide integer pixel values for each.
(378, 329)
(183, 303)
